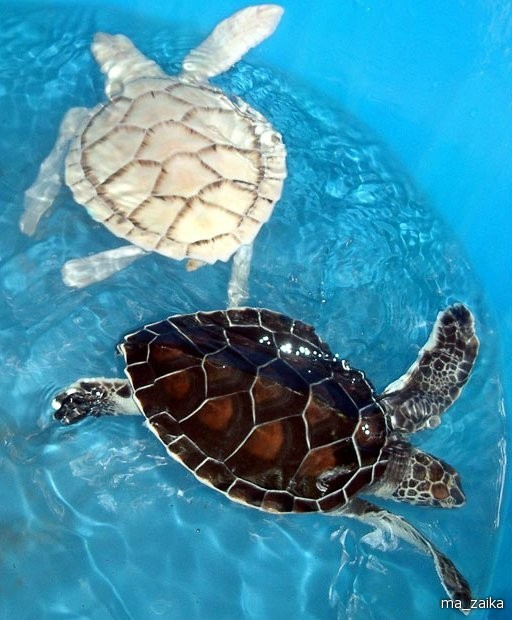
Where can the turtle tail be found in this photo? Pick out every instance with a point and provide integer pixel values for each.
(433, 383)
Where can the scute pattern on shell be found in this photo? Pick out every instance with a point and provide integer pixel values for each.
(178, 168)
(257, 406)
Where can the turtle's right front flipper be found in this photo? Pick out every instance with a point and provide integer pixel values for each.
(230, 40)
(40, 196)
(433, 383)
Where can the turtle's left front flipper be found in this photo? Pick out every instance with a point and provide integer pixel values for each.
(121, 62)
(455, 585)
(40, 196)
(418, 398)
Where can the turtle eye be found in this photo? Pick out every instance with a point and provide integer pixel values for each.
(89, 391)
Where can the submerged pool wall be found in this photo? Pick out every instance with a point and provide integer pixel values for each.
(434, 80)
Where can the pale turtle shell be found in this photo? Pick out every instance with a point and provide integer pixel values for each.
(178, 168)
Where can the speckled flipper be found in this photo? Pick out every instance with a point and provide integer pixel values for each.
(434, 381)
(452, 581)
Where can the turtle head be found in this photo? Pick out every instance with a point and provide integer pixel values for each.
(94, 397)
(84, 398)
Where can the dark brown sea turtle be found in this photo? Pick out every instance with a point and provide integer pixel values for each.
(255, 405)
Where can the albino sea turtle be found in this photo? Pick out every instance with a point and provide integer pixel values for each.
(171, 164)
(255, 405)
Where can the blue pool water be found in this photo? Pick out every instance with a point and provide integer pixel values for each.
(95, 521)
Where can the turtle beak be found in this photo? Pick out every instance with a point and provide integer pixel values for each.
(71, 406)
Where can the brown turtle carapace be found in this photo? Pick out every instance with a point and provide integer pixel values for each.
(255, 405)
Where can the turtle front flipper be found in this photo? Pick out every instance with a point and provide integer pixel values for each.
(418, 398)
(40, 196)
(94, 397)
(455, 585)
(230, 40)
(121, 62)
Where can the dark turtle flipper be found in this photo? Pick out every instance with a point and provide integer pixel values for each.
(452, 581)
(93, 397)
(434, 381)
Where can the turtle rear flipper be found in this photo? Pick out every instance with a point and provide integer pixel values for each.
(418, 398)
(80, 272)
(454, 583)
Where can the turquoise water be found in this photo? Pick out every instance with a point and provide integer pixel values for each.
(95, 521)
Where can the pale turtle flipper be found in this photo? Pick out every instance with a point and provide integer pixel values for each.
(121, 62)
(455, 585)
(418, 398)
(238, 287)
(230, 40)
(40, 196)
(80, 272)
(94, 397)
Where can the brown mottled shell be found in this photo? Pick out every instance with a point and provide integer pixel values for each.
(257, 406)
(178, 168)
